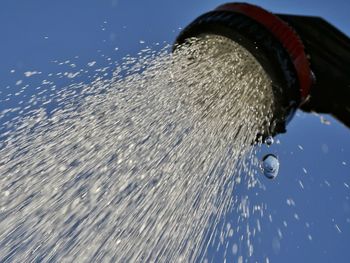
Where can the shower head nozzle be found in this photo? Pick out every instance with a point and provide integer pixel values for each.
(302, 55)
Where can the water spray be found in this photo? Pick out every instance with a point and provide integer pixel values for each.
(146, 166)
(306, 58)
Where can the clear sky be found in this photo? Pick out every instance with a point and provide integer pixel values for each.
(315, 158)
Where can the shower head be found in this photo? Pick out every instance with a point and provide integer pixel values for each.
(306, 58)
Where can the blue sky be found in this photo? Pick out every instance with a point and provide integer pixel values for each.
(35, 33)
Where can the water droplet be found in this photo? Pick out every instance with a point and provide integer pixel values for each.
(337, 227)
(270, 166)
(234, 249)
(269, 140)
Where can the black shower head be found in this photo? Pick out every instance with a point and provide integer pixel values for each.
(306, 58)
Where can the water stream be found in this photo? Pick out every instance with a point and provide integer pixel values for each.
(138, 167)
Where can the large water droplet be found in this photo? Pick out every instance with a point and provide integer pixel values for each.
(269, 140)
(270, 166)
